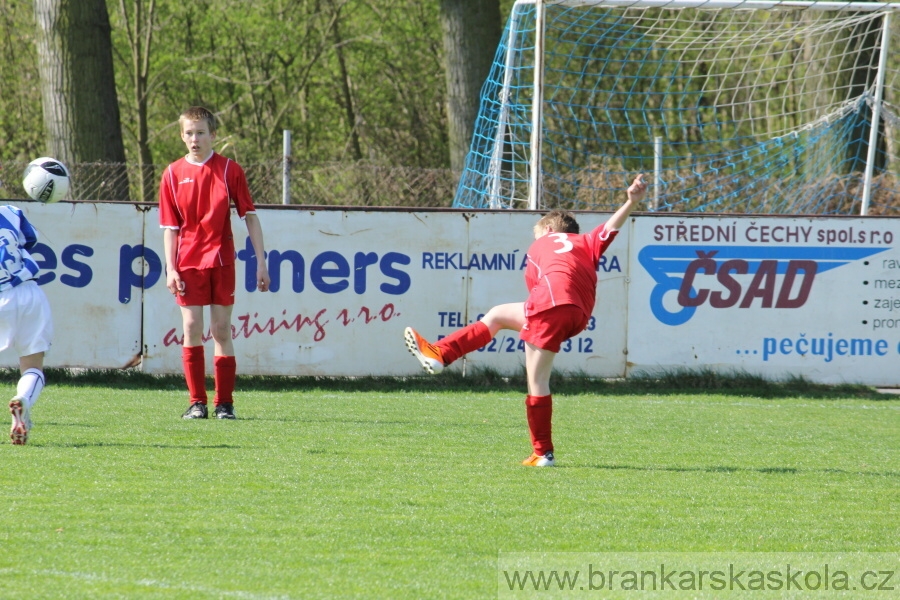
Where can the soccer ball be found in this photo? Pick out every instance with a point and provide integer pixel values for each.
(46, 180)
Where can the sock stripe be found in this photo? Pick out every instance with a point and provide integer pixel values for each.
(30, 386)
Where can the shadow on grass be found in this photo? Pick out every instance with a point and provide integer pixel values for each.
(724, 469)
(668, 383)
(142, 446)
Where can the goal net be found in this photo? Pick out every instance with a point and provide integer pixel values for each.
(727, 107)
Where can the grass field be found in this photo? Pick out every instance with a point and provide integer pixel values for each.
(392, 489)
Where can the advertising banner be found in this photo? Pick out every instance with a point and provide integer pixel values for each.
(91, 261)
(817, 297)
(346, 283)
(343, 287)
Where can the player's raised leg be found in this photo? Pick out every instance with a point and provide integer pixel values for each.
(425, 352)
(447, 350)
(480, 333)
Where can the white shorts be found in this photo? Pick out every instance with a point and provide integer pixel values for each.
(25, 321)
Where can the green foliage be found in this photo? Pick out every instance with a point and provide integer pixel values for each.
(21, 125)
(265, 67)
(329, 490)
(270, 66)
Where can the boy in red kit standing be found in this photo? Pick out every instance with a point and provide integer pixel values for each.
(195, 197)
(561, 276)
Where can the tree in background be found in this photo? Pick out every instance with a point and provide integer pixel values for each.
(351, 79)
(356, 81)
(137, 23)
(78, 91)
(471, 31)
(391, 57)
(20, 90)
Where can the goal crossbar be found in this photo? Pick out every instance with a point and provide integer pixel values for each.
(727, 4)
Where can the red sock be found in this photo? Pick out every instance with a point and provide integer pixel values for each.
(224, 368)
(194, 364)
(540, 411)
(465, 340)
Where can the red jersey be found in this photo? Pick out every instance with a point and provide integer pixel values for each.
(196, 200)
(562, 269)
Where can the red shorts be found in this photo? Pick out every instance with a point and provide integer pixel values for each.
(549, 328)
(203, 287)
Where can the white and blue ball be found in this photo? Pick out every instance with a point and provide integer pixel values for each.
(46, 180)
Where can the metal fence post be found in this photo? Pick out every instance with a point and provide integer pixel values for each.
(286, 169)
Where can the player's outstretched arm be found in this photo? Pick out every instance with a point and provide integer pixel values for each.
(636, 192)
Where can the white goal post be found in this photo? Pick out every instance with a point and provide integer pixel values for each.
(730, 106)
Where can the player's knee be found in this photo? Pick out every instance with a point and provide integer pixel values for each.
(220, 331)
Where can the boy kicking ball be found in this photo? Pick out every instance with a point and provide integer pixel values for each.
(26, 324)
(561, 276)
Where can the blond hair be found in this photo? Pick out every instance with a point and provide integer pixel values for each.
(560, 221)
(198, 113)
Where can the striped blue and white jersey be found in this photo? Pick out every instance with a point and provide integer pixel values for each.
(17, 237)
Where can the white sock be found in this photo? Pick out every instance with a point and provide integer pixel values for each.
(30, 386)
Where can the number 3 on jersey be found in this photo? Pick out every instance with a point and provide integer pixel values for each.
(562, 239)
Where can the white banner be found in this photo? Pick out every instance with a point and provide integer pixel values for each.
(814, 297)
(776, 296)
(91, 263)
(346, 283)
